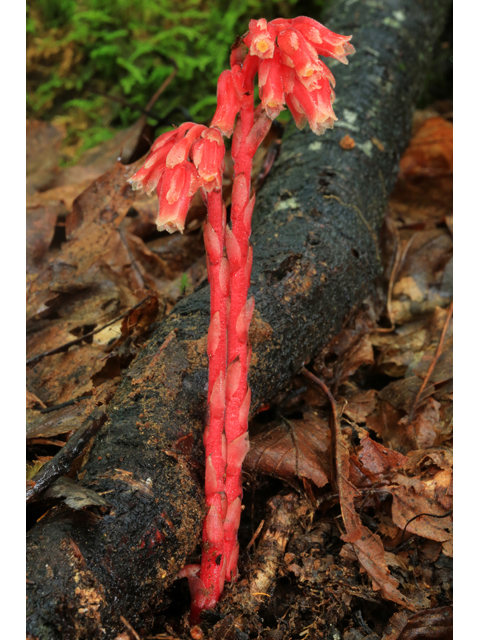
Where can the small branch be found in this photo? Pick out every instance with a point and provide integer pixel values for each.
(420, 515)
(130, 628)
(323, 387)
(437, 355)
(160, 90)
(62, 405)
(67, 345)
(62, 461)
(134, 263)
(335, 424)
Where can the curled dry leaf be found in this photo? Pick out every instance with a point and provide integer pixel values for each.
(434, 624)
(403, 419)
(430, 152)
(425, 430)
(294, 449)
(55, 423)
(367, 546)
(347, 351)
(423, 194)
(379, 460)
(424, 487)
(401, 350)
(41, 223)
(372, 463)
(64, 376)
(360, 405)
(420, 284)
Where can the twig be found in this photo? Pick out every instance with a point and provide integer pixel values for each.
(134, 263)
(67, 345)
(336, 425)
(398, 262)
(419, 515)
(126, 103)
(61, 462)
(148, 109)
(324, 388)
(437, 355)
(130, 628)
(255, 535)
(161, 89)
(270, 157)
(62, 405)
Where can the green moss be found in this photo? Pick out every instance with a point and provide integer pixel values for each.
(79, 51)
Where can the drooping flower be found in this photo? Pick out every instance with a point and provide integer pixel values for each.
(181, 162)
(325, 42)
(260, 39)
(312, 106)
(229, 99)
(271, 84)
(290, 71)
(207, 154)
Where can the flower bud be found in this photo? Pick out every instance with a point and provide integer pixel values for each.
(229, 94)
(261, 39)
(270, 81)
(208, 157)
(175, 194)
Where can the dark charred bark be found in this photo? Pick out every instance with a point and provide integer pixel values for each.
(315, 257)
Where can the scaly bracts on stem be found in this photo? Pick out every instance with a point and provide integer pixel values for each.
(284, 56)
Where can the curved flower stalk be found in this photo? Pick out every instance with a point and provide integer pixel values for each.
(283, 54)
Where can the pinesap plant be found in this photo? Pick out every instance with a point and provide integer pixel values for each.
(283, 56)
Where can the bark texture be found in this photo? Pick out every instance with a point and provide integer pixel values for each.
(315, 256)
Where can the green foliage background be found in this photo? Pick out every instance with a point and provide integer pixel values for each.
(79, 50)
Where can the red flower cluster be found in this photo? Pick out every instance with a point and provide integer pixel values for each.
(179, 163)
(284, 53)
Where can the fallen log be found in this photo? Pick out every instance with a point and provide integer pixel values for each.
(315, 243)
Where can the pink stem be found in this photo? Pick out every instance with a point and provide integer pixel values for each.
(212, 571)
(249, 133)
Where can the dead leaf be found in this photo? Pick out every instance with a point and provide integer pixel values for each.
(425, 430)
(360, 405)
(430, 152)
(368, 547)
(74, 495)
(402, 393)
(418, 289)
(64, 376)
(395, 625)
(401, 350)
(293, 449)
(347, 351)
(379, 460)
(424, 488)
(58, 422)
(43, 153)
(41, 223)
(33, 402)
(434, 624)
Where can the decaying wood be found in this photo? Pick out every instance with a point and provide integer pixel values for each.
(316, 253)
(284, 514)
(61, 462)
